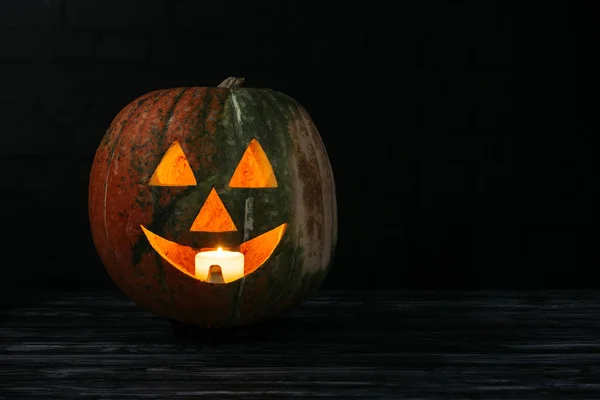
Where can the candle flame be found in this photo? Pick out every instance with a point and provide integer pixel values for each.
(219, 249)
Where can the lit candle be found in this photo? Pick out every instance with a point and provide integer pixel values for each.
(231, 263)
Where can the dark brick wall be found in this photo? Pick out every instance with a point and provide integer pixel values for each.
(417, 106)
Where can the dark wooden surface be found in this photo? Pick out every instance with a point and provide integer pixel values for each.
(419, 345)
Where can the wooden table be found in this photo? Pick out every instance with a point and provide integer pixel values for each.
(340, 345)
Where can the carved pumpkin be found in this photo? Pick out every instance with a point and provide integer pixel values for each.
(187, 170)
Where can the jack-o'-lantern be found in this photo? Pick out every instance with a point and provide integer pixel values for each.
(214, 206)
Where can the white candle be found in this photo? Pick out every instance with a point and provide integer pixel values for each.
(231, 263)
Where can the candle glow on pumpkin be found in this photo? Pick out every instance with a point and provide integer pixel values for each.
(231, 263)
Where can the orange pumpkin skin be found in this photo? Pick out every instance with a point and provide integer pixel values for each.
(213, 126)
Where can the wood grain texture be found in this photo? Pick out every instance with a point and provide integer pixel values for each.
(345, 345)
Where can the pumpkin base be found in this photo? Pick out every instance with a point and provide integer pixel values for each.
(259, 331)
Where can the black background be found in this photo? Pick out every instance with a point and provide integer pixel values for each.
(458, 132)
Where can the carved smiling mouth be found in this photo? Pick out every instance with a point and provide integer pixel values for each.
(256, 251)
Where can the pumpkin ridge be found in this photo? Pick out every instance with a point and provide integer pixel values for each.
(114, 151)
(163, 133)
(138, 117)
(146, 120)
(161, 270)
(260, 287)
(329, 172)
(294, 113)
(99, 178)
(333, 194)
(309, 128)
(235, 315)
(206, 130)
(141, 246)
(141, 103)
(271, 97)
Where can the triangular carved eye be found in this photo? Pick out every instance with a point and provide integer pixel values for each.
(173, 170)
(254, 169)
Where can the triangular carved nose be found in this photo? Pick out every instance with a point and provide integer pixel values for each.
(213, 216)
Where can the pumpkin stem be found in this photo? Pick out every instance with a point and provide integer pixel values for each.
(231, 83)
